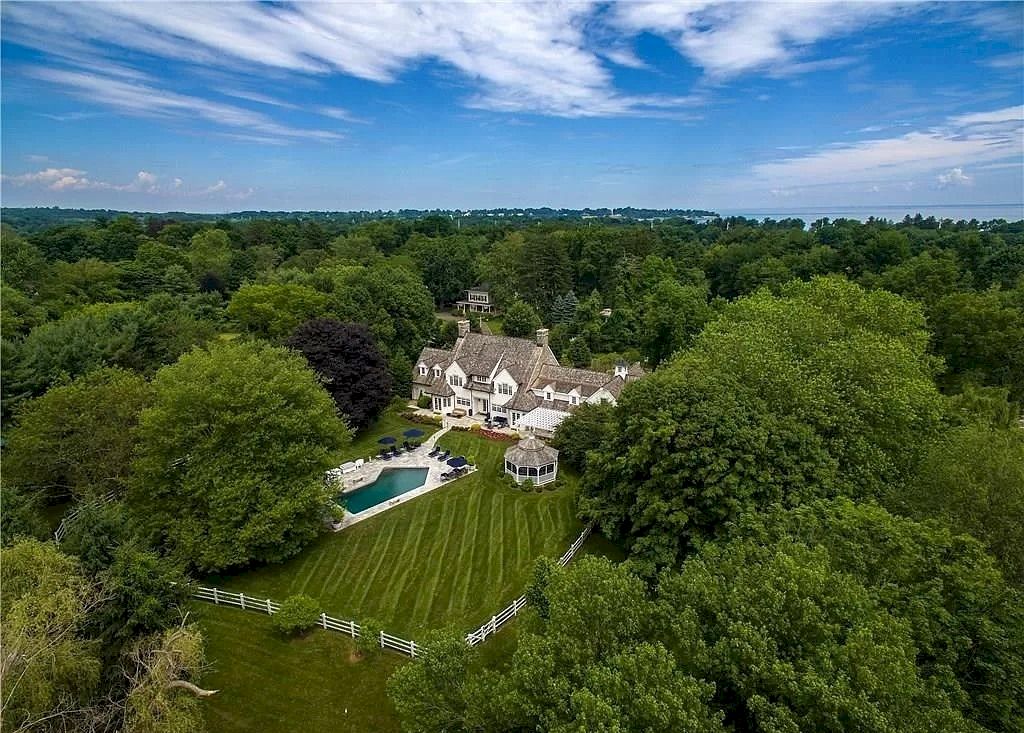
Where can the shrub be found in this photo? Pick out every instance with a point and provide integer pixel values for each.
(527, 485)
(475, 427)
(422, 419)
(423, 402)
(539, 489)
(298, 613)
(368, 642)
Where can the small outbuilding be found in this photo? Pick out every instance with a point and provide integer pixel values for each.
(532, 459)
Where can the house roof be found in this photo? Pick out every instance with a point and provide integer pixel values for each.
(524, 401)
(565, 379)
(531, 451)
(481, 354)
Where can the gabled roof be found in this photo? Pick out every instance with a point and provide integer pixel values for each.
(481, 354)
(565, 379)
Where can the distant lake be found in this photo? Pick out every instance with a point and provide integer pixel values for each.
(981, 212)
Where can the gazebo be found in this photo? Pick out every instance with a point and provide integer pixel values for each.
(531, 459)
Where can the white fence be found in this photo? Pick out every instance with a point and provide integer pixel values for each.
(507, 614)
(65, 524)
(269, 607)
(387, 641)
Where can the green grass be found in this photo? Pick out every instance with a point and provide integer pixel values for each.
(454, 556)
(271, 684)
(390, 423)
(497, 325)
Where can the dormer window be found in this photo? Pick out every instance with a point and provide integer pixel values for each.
(574, 399)
(423, 371)
(547, 396)
(437, 371)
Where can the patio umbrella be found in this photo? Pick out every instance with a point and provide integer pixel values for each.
(386, 440)
(457, 462)
(413, 433)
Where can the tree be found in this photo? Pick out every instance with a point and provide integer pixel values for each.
(158, 669)
(49, 669)
(232, 455)
(543, 271)
(672, 316)
(78, 438)
(766, 624)
(87, 281)
(274, 311)
(564, 308)
(350, 365)
(86, 339)
(586, 429)
(965, 621)
(430, 693)
(520, 320)
(981, 337)
(298, 613)
(368, 642)
(142, 594)
(973, 479)
(824, 390)
(578, 353)
(21, 516)
(448, 265)
(209, 251)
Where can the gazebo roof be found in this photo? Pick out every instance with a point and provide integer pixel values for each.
(531, 451)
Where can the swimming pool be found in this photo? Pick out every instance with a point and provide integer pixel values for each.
(390, 483)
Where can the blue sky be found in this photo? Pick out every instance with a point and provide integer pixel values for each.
(234, 105)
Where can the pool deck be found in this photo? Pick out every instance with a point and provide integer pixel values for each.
(371, 470)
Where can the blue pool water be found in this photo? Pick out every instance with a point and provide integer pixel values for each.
(392, 482)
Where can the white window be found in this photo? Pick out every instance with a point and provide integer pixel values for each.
(574, 399)
(481, 380)
(547, 396)
(499, 409)
(455, 380)
(437, 372)
(462, 402)
(505, 389)
(423, 371)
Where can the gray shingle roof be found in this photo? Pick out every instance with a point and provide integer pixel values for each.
(531, 451)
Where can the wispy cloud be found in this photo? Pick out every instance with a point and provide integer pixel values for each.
(727, 39)
(143, 100)
(981, 137)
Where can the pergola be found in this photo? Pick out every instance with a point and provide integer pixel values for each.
(531, 459)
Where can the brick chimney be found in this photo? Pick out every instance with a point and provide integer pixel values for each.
(463, 328)
(542, 337)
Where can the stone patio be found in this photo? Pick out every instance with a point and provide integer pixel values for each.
(371, 470)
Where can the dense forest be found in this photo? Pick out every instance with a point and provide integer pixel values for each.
(819, 488)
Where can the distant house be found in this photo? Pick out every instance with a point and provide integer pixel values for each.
(514, 379)
(477, 300)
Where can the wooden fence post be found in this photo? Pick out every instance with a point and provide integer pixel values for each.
(270, 611)
(323, 620)
(241, 597)
(382, 640)
(215, 599)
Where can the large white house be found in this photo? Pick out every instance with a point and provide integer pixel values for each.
(512, 378)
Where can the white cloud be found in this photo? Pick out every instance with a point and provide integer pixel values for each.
(72, 179)
(964, 139)
(954, 177)
(731, 38)
(540, 61)
(142, 100)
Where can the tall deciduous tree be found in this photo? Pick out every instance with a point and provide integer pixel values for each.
(49, 668)
(825, 390)
(78, 438)
(274, 311)
(350, 365)
(672, 316)
(232, 456)
(520, 319)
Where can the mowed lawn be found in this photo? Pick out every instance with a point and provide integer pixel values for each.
(276, 685)
(390, 423)
(452, 557)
